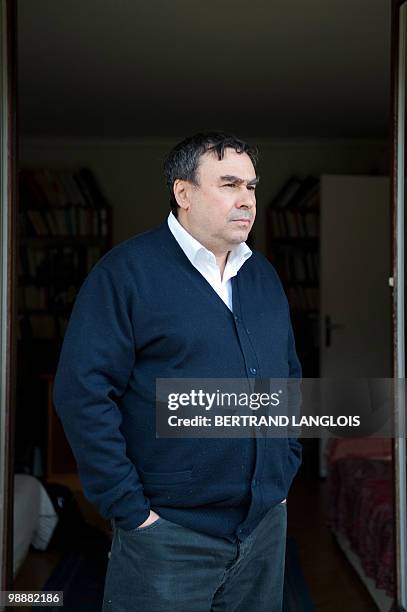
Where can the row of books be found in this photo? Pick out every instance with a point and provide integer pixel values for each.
(293, 223)
(67, 221)
(41, 327)
(55, 266)
(303, 298)
(298, 265)
(34, 297)
(44, 188)
(296, 193)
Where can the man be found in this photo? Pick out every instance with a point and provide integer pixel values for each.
(198, 524)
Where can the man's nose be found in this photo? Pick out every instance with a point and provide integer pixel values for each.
(247, 199)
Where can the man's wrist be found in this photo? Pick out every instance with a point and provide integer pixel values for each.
(132, 521)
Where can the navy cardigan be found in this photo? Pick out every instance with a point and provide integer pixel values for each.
(144, 312)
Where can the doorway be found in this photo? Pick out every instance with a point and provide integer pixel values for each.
(69, 121)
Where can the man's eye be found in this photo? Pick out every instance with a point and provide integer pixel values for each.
(230, 185)
(251, 187)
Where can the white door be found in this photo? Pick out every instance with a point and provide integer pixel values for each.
(355, 268)
(355, 330)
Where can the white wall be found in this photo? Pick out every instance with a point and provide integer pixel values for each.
(130, 172)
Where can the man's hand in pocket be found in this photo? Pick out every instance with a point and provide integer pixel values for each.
(152, 517)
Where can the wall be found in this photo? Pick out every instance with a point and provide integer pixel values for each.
(130, 172)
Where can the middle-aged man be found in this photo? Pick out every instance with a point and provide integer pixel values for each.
(199, 524)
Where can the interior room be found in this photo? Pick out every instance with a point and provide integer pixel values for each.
(105, 89)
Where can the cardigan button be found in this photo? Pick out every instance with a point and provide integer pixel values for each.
(253, 371)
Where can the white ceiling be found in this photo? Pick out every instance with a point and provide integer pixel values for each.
(159, 68)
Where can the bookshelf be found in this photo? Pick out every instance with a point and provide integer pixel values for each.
(293, 246)
(65, 226)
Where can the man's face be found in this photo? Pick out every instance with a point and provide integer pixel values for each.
(220, 211)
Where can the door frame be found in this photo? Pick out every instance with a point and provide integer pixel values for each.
(8, 253)
(398, 194)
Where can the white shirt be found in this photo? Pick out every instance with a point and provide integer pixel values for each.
(205, 261)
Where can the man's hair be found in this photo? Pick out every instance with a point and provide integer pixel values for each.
(183, 160)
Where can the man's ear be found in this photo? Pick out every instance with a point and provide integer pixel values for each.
(182, 193)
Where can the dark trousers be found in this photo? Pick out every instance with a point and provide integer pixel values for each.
(166, 567)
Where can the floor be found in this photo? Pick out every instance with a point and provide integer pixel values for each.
(333, 584)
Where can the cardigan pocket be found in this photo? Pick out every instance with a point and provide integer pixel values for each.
(165, 478)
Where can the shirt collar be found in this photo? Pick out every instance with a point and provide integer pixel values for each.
(194, 250)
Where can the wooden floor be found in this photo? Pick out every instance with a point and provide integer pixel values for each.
(333, 584)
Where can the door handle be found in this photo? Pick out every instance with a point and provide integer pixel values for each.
(329, 327)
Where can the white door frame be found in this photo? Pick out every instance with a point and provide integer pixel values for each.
(399, 254)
